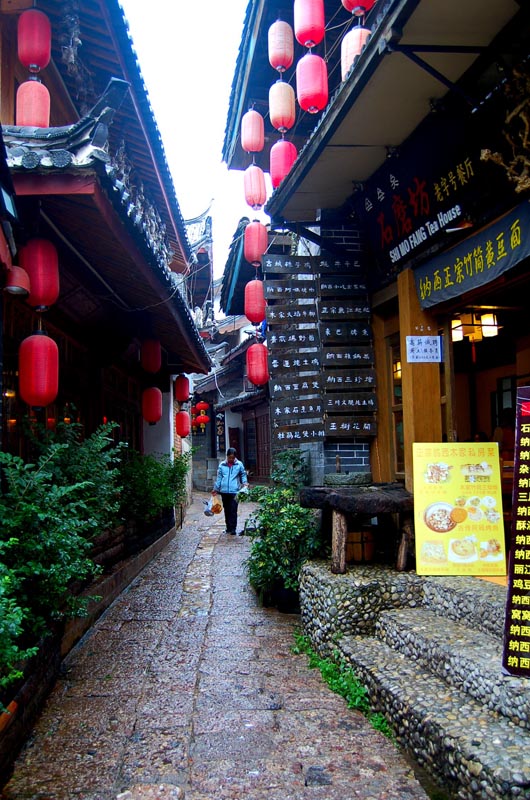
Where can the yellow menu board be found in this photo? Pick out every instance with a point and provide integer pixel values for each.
(458, 522)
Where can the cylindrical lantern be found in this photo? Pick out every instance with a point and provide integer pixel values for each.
(151, 355)
(282, 107)
(358, 7)
(312, 83)
(254, 183)
(255, 303)
(34, 37)
(351, 47)
(202, 406)
(152, 405)
(17, 282)
(38, 370)
(182, 389)
(252, 132)
(255, 242)
(32, 105)
(257, 364)
(39, 258)
(182, 424)
(281, 45)
(282, 157)
(309, 21)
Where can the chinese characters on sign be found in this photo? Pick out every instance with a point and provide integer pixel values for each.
(424, 349)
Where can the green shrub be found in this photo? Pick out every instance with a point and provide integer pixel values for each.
(152, 484)
(291, 469)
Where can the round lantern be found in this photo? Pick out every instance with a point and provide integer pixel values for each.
(202, 420)
(32, 105)
(34, 37)
(202, 406)
(282, 107)
(282, 157)
(257, 364)
(312, 83)
(151, 355)
(254, 183)
(255, 302)
(182, 389)
(358, 7)
(252, 132)
(255, 242)
(351, 47)
(39, 258)
(152, 405)
(281, 45)
(38, 370)
(182, 424)
(309, 22)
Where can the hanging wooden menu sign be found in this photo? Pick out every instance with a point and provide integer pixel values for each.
(290, 290)
(363, 402)
(341, 380)
(329, 263)
(293, 409)
(336, 286)
(295, 338)
(346, 332)
(347, 427)
(343, 309)
(291, 314)
(362, 355)
(289, 386)
(294, 435)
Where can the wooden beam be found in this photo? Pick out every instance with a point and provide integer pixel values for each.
(36, 184)
(338, 542)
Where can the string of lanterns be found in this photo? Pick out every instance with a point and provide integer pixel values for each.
(32, 104)
(182, 417)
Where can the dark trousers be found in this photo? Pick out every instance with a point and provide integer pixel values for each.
(230, 509)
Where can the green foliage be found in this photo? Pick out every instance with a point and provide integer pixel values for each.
(11, 628)
(342, 680)
(290, 469)
(152, 484)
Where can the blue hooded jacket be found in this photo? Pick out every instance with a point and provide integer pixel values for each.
(230, 477)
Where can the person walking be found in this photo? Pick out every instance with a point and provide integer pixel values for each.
(231, 478)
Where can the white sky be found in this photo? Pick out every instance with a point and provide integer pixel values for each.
(187, 53)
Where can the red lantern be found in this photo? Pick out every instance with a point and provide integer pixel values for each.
(282, 107)
(32, 105)
(257, 364)
(254, 183)
(312, 83)
(38, 370)
(201, 406)
(282, 157)
(255, 302)
(252, 132)
(358, 7)
(17, 281)
(151, 355)
(182, 424)
(309, 22)
(202, 420)
(34, 36)
(182, 389)
(39, 258)
(351, 47)
(256, 240)
(152, 405)
(193, 411)
(281, 45)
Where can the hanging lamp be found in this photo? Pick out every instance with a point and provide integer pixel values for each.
(254, 185)
(312, 83)
(255, 303)
(182, 389)
(283, 154)
(38, 370)
(39, 258)
(256, 238)
(152, 405)
(151, 355)
(351, 47)
(282, 106)
(202, 421)
(202, 406)
(32, 104)
(257, 364)
(182, 424)
(358, 8)
(17, 282)
(281, 45)
(34, 38)
(252, 132)
(309, 22)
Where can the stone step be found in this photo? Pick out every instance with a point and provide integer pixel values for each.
(480, 604)
(470, 660)
(473, 753)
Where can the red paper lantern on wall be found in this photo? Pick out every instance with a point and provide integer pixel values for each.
(351, 47)
(34, 38)
(151, 355)
(202, 420)
(358, 7)
(32, 105)
(152, 405)
(252, 132)
(282, 106)
(202, 406)
(39, 258)
(255, 303)
(312, 83)
(257, 364)
(256, 239)
(254, 184)
(282, 157)
(182, 424)
(281, 45)
(38, 370)
(17, 281)
(309, 21)
(182, 389)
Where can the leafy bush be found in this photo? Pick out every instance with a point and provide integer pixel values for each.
(152, 484)
(291, 469)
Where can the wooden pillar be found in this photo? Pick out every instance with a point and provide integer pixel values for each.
(338, 542)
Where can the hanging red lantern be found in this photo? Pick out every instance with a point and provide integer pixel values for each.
(256, 239)
(17, 282)
(152, 405)
(201, 406)
(257, 364)
(255, 303)
(182, 424)
(281, 45)
(193, 412)
(282, 157)
(254, 183)
(182, 389)
(282, 106)
(351, 47)
(358, 7)
(312, 83)
(309, 22)
(32, 105)
(38, 370)
(252, 132)
(151, 355)
(202, 420)
(39, 258)
(34, 38)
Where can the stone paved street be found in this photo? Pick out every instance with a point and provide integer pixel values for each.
(187, 689)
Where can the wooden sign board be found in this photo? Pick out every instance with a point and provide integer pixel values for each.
(341, 427)
(345, 332)
(354, 402)
(304, 338)
(290, 290)
(335, 287)
(340, 380)
(285, 362)
(294, 408)
(329, 263)
(298, 386)
(305, 432)
(343, 309)
(282, 313)
(358, 355)
(291, 265)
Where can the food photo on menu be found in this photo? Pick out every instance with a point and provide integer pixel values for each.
(458, 519)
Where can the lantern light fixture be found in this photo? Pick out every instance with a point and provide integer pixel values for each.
(39, 258)
(255, 242)
(151, 355)
(281, 45)
(359, 8)
(252, 132)
(283, 154)
(312, 83)
(34, 39)
(309, 22)
(17, 282)
(474, 326)
(38, 370)
(254, 185)
(257, 364)
(182, 424)
(282, 106)
(182, 389)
